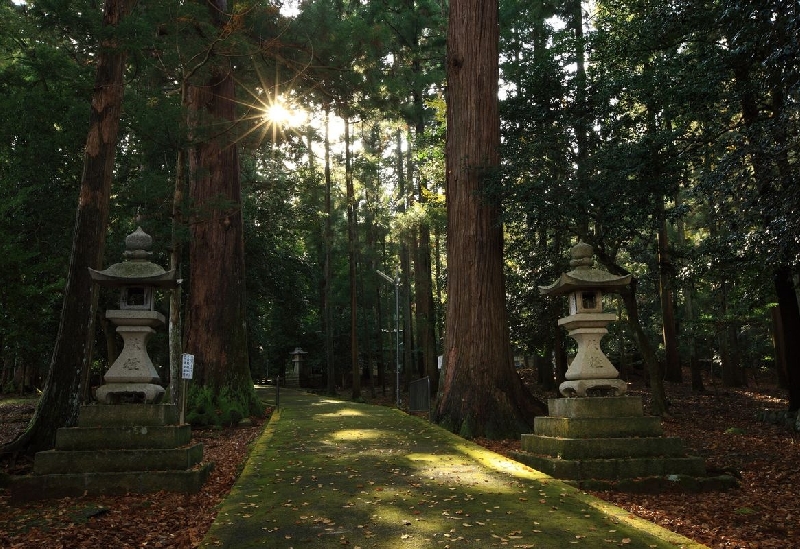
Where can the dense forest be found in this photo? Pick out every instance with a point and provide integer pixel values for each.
(280, 153)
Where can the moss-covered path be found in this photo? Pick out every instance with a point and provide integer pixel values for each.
(329, 473)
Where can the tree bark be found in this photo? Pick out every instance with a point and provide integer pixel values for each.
(426, 314)
(672, 369)
(732, 374)
(780, 347)
(216, 329)
(659, 399)
(59, 403)
(790, 319)
(482, 393)
(351, 253)
(330, 368)
(694, 362)
(174, 327)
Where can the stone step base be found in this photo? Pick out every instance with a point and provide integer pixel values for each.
(114, 438)
(612, 469)
(124, 415)
(596, 407)
(34, 487)
(645, 426)
(602, 448)
(136, 460)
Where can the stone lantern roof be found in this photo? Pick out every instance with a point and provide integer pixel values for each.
(584, 275)
(136, 269)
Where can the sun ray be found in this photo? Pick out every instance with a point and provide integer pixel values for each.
(268, 113)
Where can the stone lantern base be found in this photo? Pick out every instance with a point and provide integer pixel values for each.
(593, 387)
(604, 442)
(130, 393)
(116, 450)
(132, 378)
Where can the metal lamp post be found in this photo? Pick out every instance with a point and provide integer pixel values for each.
(396, 282)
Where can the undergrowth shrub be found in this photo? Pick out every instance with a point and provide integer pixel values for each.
(205, 408)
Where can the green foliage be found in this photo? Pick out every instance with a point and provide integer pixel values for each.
(224, 408)
(44, 85)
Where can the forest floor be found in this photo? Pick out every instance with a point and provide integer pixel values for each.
(720, 425)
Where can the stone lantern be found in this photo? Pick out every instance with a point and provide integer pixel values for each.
(596, 434)
(133, 378)
(590, 373)
(297, 377)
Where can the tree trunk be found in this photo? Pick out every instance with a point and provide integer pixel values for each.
(581, 127)
(658, 395)
(174, 326)
(672, 370)
(732, 375)
(216, 330)
(780, 347)
(652, 367)
(482, 393)
(688, 304)
(426, 314)
(59, 403)
(351, 253)
(790, 318)
(560, 357)
(330, 368)
(694, 361)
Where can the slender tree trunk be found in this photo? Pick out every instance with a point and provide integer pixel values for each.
(426, 314)
(110, 333)
(329, 365)
(405, 304)
(581, 127)
(351, 252)
(732, 375)
(652, 367)
(405, 263)
(688, 304)
(174, 327)
(379, 356)
(780, 347)
(658, 395)
(482, 393)
(694, 361)
(672, 370)
(560, 357)
(790, 318)
(59, 403)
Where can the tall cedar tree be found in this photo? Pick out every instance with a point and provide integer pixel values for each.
(215, 329)
(482, 393)
(59, 403)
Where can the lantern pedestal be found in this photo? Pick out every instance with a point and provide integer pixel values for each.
(132, 378)
(590, 371)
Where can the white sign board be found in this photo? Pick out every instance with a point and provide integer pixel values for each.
(188, 366)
